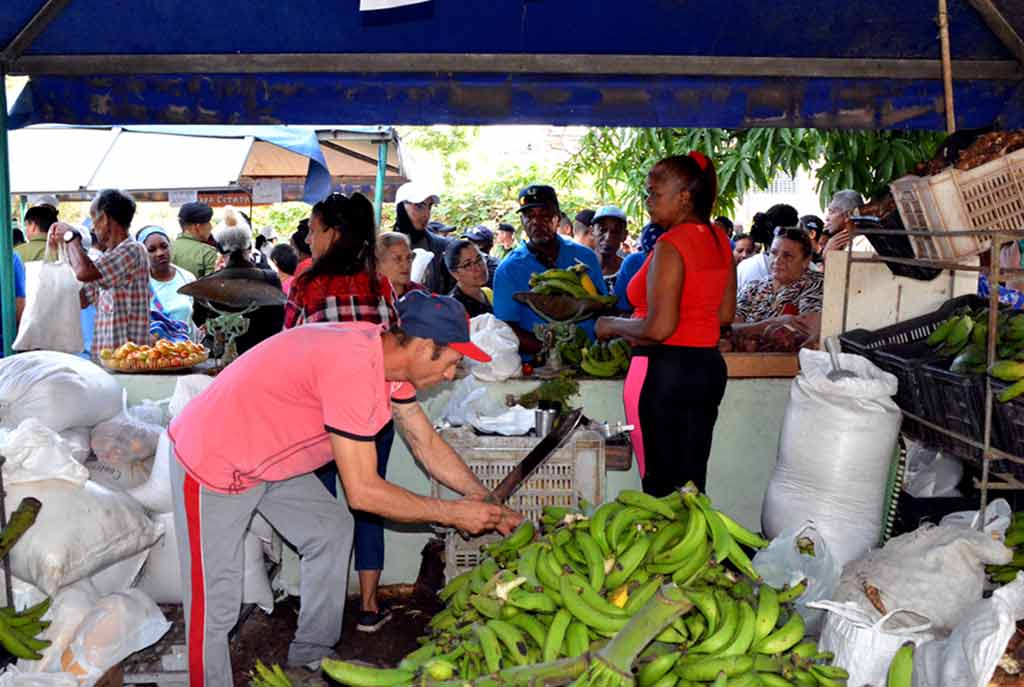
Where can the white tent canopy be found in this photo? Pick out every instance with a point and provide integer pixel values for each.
(73, 160)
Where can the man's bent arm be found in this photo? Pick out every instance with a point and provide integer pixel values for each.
(434, 452)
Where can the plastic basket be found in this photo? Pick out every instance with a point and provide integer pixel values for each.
(576, 471)
(863, 341)
(1009, 418)
(957, 402)
(894, 246)
(904, 361)
(987, 197)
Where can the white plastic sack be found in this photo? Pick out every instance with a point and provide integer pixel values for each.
(420, 262)
(70, 607)
(51, 320)
(155, 493)
(161, 576)
(935, 571)
(796, 555)
(998, 516)
(14, 677)
(835, 449)
(187, 388)
(865, 646)
(118, 626)
(120, 477)
(499, 341)
(78, 439)
(151, 412)
(123, 439)
(968, 657)
(931, 473)
(79, 531)
(58, 389)
(36, 452)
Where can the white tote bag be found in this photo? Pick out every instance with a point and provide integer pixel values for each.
(52, 317)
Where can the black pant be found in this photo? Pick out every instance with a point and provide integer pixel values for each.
(678, 408)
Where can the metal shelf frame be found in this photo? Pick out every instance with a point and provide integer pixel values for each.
(999, 237)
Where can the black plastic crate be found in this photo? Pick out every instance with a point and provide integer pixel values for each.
(904, 361)
(1009, 419)
(862, 341)
(894, 246)
(956, 402)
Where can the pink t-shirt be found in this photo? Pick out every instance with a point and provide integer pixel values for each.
(266, 417)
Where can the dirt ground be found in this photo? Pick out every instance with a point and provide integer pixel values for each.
(266, 637)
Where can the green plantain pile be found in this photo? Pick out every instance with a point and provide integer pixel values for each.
(1003, 574)
(574, 281)
(964, 337)
(643, 592)
(606, 359)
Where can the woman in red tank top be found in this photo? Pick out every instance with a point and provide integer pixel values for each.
(682, 295)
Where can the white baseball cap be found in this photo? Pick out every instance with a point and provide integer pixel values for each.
(610, 211)
(416, 192)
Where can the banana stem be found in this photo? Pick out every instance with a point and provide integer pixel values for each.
(664, 607)
(21, 519)
(558, 672)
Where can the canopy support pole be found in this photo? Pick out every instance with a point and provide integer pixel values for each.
(378, 189)
(947, 68)
(6, 235)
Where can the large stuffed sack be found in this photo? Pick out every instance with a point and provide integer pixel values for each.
(120, 477)
(70, 607)
(185, 389)
(58, 389)
(124, 439)
(155, 493)
(837, 443)
(35, 452)
(80, 531)
(161, 576)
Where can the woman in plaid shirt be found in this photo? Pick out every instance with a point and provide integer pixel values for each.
(343, 285)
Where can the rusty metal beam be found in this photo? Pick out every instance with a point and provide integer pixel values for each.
(32, 30)
(1003, 29)
(589, 65)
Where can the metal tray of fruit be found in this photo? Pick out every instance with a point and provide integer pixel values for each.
(562, 307)
(163, 357)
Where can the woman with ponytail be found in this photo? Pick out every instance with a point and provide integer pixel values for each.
(343, 285)
(682, 295)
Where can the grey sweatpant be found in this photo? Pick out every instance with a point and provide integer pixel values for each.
(211, 528)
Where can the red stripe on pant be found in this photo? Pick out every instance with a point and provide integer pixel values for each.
(197, 609)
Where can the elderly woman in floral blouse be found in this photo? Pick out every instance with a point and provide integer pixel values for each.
(790, 296)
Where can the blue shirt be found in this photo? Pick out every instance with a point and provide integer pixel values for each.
(627, 270)
(514, 273)
(19, 283)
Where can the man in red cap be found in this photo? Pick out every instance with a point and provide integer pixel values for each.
(345, 382)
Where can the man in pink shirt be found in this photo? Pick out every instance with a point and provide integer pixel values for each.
(250, 442)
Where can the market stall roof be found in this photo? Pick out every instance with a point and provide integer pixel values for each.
(66, 159)
(809, 63)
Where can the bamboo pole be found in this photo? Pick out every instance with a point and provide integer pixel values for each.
(947, 68)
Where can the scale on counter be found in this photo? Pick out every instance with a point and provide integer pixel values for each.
(560, 314)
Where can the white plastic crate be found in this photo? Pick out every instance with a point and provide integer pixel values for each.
(987, 197)
(575, 471)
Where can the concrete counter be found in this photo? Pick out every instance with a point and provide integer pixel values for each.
(742, 455)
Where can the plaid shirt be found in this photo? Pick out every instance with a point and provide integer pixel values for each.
(121, 296)
(340, 298)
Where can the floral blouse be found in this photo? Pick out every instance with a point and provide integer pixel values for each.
(759, 300)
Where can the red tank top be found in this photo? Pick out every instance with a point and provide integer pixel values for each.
(707, 260)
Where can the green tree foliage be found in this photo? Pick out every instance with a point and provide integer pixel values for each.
(616, 160)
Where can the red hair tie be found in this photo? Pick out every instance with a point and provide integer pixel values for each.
(700, 158)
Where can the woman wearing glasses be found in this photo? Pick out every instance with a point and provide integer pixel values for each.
(682, 294)
(466, 263)
(790, 296)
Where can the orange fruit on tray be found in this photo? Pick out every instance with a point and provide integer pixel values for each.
(162, 355)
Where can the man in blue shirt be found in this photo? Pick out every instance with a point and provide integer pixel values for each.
(19, 290)
(543, 249)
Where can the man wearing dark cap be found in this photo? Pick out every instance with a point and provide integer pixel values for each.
(582, 229)
(484, 240)
(346, 381)
(543, 249)
(191, 250)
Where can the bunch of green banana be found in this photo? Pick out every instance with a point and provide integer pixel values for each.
(1003, 574)
(18, 630)
(1009, 371)
(574, 281)
(263, 676)
(901, 668)
(606, 359)
(571, 348)
(639, 592)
